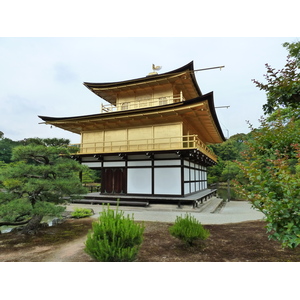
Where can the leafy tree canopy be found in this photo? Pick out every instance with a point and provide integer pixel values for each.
(227, 152)
(47, 142)
(269, 156)
(283, 86)
(40, 177)
(271, 166)
(6, 146)
(294, 50)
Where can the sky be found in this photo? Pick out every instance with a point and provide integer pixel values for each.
(44, 75)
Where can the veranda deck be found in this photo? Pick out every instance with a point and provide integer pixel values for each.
(134, 200)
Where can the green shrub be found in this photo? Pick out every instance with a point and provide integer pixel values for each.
(81, 213)
(188, 229)
(114, 237)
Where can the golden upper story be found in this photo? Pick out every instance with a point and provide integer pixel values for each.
(156, 89)
(158, 112)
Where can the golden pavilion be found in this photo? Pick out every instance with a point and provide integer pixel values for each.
(150, 139)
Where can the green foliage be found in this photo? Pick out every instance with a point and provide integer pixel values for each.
(114, 238)
(41, 175)
(231, 148)
(188, 229)
(15, 210)
(227, 153)
(53, 142)
(271, 162)
(81, 213)
(6, 146)
(231, 171)
(90, 176)
(285, 114)
(283, 86)
(294, 50)
(47, 209)
(271, 166)
(214, 173)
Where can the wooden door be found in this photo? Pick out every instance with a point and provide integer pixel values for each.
(114, 181)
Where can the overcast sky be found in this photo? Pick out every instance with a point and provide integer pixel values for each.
(44, 76)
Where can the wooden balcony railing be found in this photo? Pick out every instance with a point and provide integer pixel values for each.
(147, 144)
(136, 104)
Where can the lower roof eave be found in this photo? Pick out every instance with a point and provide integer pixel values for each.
(74, 124)
(194, 155)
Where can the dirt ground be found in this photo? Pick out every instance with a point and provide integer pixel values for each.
(238, 242)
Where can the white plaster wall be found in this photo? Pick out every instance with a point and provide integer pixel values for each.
(139, 181)
(193, 187)
(167, 181)
(175, 162)
(192, 172)
(139, 163)
(186, 188)
(92, 164)
(108, 164)
(186, 174)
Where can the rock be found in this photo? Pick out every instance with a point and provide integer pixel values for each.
(66, 214)
(17, 229)
(56, 221)
(44, 225)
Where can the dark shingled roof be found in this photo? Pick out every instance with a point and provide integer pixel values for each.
(188, 67)
(160, 109)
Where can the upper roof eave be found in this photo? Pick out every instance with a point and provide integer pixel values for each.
(160, 109)
(109, 85)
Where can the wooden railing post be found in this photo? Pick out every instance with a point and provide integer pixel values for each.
(178, 142)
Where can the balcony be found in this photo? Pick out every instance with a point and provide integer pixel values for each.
(152, 144)
(141, 103)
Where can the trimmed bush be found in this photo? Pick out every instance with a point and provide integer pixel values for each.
(81, 213)
(114, 238)
(188, 229)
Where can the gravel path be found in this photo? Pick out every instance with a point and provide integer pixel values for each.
(68, 252)
(232, 212)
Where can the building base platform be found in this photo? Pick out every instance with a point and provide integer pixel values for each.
(134, 200)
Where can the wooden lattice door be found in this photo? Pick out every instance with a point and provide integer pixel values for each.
(114, 181)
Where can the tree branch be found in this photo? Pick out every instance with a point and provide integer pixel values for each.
(14, 223)
(46, 159)
(33, 176)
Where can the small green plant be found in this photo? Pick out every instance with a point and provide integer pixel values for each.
(114, 237)
(81, 213)
(188, 229)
